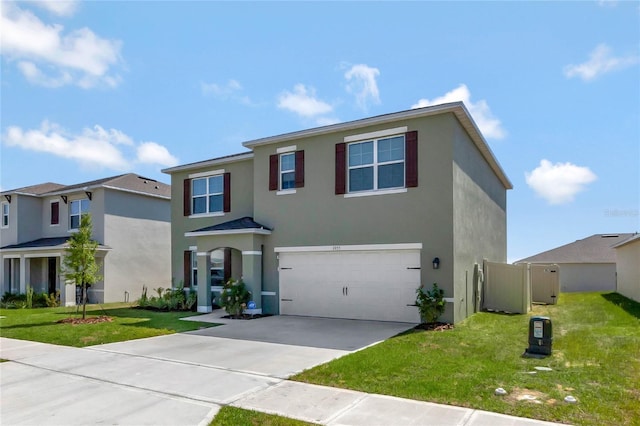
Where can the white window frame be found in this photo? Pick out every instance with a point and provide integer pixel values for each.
(79, 200)
(281, 172)
(194, 268)
(206, 195)
(375, 164)
(3, 215)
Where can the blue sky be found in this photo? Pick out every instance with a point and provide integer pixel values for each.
(94, 89)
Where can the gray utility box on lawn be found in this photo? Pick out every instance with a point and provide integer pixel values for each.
(540, 336)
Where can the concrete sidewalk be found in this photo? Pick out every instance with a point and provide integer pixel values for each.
(126, 384)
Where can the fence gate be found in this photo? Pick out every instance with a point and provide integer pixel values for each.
(545, 283)
(506, 288)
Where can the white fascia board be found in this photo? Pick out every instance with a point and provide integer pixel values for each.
(376, 135)
(363, 247)
(206, 174)
(131, 191)
(286, 149)
(228, 232)
(208, 163)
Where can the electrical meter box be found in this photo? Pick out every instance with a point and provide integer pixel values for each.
(540, 336)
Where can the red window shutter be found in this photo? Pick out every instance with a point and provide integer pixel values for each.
(411, 159)
(273, 172)
(187, 268)
(55, 213)
(186, 200)
(341, 162)
(299, 169)
(226, 196)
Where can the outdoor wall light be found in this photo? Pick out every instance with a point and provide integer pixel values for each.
(436, 262)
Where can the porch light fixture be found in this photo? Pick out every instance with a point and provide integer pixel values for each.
(436, 263)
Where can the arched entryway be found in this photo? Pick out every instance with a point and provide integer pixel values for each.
(225, 263)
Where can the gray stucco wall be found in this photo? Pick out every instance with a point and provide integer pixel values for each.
(241, 205)
(9, 235)
(479, 225)
(137, 229)
(314, 215)
(28, 216)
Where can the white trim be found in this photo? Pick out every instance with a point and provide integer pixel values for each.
(448, 299)
(375, 192)
(214, 214)
(267, 293)
(131, 191)
(33, 255)
(206, 174)
(2, 204)
(286, 149)
(57, 247)
(252, 253)
(363, 247)
(286, 192)
(206, 163)
(260, 231)
(376, 135)
(193, 248)
(202, 254)
(11, 256)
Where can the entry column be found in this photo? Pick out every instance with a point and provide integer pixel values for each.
(252, 276)
(204, 284)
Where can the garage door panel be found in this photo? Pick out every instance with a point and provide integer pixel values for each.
(374, 285)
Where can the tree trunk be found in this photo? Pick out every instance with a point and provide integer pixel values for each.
(84, 300)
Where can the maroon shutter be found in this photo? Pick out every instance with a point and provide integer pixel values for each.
(226, 196)
(411, 159)
(55, 213)
(341, 162)
(187, 268)
(227, 265)
(273, 172)
(186, 200)
(299, 169)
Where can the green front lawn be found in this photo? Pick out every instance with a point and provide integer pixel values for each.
(596, 359)
(41, 324)
(232, 416)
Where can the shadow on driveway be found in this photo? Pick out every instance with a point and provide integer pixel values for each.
(328, 333)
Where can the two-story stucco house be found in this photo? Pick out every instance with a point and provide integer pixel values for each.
(345, 220)
(131, 222)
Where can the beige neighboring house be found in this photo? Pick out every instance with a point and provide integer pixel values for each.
(131, 223)
(345, 220)
(628, 267)
(585, 265)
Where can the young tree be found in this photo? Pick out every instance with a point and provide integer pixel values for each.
(79, 263)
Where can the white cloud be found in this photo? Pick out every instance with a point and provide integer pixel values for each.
(303, 102)
(58, 7)
(560, 182)
(225, 90)
(601, 61)
(93, 147)
(77, 57)
(490, 126)
(153, 153)
(362, 82)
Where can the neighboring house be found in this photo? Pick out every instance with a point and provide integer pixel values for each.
(345, 220)
(585, 265)
(131, 222)
(628, 267)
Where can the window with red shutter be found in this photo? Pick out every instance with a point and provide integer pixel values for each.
(55, 213)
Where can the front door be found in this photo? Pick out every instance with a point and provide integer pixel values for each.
(52, 275)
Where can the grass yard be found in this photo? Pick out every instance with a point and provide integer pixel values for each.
(40, 325)
(596, 359)
(232, 416)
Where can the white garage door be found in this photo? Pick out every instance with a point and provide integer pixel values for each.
(350, 283)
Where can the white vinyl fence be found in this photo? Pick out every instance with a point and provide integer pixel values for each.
(507, 288)
(545, 283)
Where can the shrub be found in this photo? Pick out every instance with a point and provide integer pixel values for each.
(430, 303)
(52, 300)
(170, 299)
(234, 297)
(29, 300)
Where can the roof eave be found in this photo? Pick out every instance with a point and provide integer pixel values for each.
(207, 163)
(258, 231)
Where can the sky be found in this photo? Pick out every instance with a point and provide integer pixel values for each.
(99, 88)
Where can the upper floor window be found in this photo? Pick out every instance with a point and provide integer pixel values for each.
(5, 215)
(207, 195)
(286, 170)
(376, 164)
(77, 209)
(379, 162)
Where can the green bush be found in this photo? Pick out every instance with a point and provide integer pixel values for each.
(170, 299)
(430, 303)
(234, 297)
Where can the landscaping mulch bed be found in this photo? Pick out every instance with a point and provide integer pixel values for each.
(92, 320)
(434, 326)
